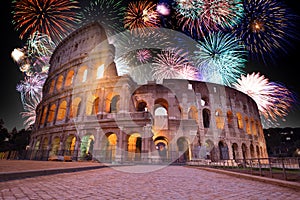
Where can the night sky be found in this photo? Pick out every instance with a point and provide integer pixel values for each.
(284, 71)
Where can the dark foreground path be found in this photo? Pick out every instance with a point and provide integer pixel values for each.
(143, 182)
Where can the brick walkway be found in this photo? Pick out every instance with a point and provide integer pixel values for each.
(143, 182)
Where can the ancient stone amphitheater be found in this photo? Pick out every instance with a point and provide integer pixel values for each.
(89, 112)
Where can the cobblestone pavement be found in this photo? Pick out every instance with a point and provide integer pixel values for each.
(143, 182)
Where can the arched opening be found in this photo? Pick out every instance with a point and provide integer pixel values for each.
(240, 120)
(219, 119)
(59, 82)
(69, 78)
(44, 114)
(75, 107)
(141, 106)
(252, 153)
(160, 114)
(257, 151)
(114, 104)
(206, 118)
(183, 149)
(244, 151)
(100, 71)
(193, 113)
(110, 146)
(62, 110)
(55, 147)
(235, 152)
(230, 119)
(70, 145)
(161, 145)
(51, 87)
(45, 148)
(223, 149)
(92, 105)
(210, 150)
(134, 146)
(51, 113)
(247, 125)
(86, 147)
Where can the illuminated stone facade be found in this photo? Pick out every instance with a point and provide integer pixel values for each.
(88, 111)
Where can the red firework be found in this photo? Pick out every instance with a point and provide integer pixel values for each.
(56, 18)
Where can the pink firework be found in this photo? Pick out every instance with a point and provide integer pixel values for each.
(143, 55)
(170, 64)
(274, 100)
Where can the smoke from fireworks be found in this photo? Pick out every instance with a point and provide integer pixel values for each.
(56, 18)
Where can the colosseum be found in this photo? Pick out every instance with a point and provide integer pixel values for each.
(88, 111)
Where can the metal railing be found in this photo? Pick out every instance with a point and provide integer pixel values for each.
(286, 168)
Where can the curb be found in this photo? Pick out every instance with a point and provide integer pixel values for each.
(289, 184)
(7, 176)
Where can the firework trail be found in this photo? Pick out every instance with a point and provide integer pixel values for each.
(109, 13)
(140, 15)
(199, 18)
(29, 112)
(273, 99)
(267, 28)
(173, 64)
(56, 18)
(220, 58)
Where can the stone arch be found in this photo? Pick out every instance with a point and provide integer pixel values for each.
(70, 145)
(62, 110)
(160, 111)
(44, 114)
(219, 119)
(51, 87)
(69, 78)
(257, 151)
(223, 149)
(82, 74)
(183, 147)
(55, 146)
(161, 145)
(240, 120)
(92, 105)
(193, 113)
(206, 117)
(210, 150)
(247, 122)
(235, 151)
(109, 146)
(134, 146)
(230, 119)
(252, 152)
(51, 113)
(75, 107)
(59, 82)
(87, 146)
(141, 106)
(244, 151)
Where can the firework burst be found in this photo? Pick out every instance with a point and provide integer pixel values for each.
(266, 29)
(173, 64)
(140, 15)
(109, 14)
(273, 99)
(220, 58)
(202, 17)
(56, 18)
